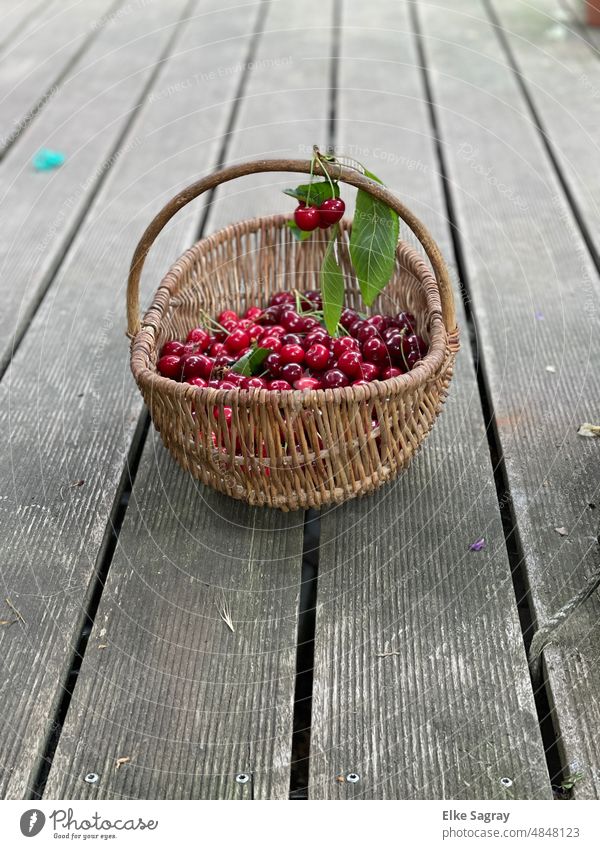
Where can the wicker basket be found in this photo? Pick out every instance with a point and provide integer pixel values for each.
(293, 449)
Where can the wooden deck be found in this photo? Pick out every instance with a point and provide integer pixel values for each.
(368, 639)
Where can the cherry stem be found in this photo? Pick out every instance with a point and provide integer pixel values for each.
(326, 172)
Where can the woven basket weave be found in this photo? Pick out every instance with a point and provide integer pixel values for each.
(293, 449)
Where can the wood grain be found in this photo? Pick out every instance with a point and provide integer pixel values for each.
(421, 681)
(68, 406)
(31, 71)
(535, 294)
(86, 119)
(206, 703)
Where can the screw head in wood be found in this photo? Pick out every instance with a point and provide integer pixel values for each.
(92, 778)
(242, 778)
(506, 782)
(353, 777)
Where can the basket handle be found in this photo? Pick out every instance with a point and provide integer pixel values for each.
(338, 172)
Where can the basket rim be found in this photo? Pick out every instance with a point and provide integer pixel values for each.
(427, 369)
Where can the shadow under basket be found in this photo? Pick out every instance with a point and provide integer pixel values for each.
(299, 448)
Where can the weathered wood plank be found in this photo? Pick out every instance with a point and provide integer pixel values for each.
(86, 117)
(29, 74)
(535, 293)
(421, 682)
(232, 693)
(560, 74)
(86, 408)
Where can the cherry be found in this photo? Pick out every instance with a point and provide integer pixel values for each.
(235, 377)
(227, 384)
(307, 383)
(367, 331)
(375, 351)
(360, 382)
(317, 356)
(334, 379)
(310, 323)
(273, 343)
(195, 366)
(173, 347)
(291, 372)
(370, 371)
(197, 381)
(254, 383)
(331, 211)
(292, 354)
(307, 217)
(253, 313)
(273, 363)
(412, 358)
(292, 339)
(292, 321)
(276, 330)
(199, 337)
(213, 383)
(406, 321)
(356, 326)
(351, 363)
(318, 336)
(394, 347)
(348, 318)
(170, 366)
(344, 343)
(237, 340)
(270, 316)
(227, 315)
(282, 385)
(280, 298)
(378, 321)
(391, 371)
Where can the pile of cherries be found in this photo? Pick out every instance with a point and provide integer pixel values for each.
(302, 353)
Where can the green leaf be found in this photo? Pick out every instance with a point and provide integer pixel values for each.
(251, 362)
(373, 243)
(319, 191)
(301, 235)
(332, 286)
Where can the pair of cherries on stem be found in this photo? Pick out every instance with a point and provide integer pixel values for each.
(310, 217)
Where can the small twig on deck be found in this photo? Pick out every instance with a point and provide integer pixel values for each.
(543, 636)
(224, 612)
(387, 653)
(14, 610)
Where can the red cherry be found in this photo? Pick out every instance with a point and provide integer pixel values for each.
(292, 339)
(216, 348)
(370, 371)
(394, 346)
(235, 377)
(334, 379)
(331, 211)
(213, 383)
(356, 326)
(197, 381)
(317, 357)
(412, 358)
(197, 365)
(291, 372)
(391, 371)
(199, 337)
(273, 363)
(375, 351)
(344, 343)
(254, 383)
(276, 330)
(224, 359)
(229, 324)
(227, 384)
(310, 323)
(254, 331)
(367, 331)
(270, 316)
(405, 321)
(172, 347)
(292, 321)
(351, 363)
(227, 315)
(307, 217)
(318, 336)
(292, 354)
(170, 366)
(360, 382)
(273, 343)
(378, 321)
(282, 298)
(237, 340)
(253, 313)
(282, 385)
(226, 414)
(348, 318)
(307, 383)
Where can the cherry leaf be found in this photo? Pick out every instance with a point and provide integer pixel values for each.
(332, 286)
